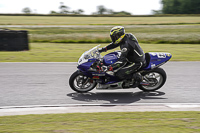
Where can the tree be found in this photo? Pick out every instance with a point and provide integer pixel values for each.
(122, 13)
(191, 6)
(101, 9)
(64, 9)
(26, 10)
(80, 11)
(157, 12)
(53, 12)
(181, 6)
(110, 11)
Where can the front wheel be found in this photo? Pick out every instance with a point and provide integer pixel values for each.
(81, 83)
(153, 80)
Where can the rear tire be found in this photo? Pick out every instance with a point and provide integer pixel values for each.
(154, 80)
(81, 83)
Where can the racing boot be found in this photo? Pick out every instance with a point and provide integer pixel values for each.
(138, 79)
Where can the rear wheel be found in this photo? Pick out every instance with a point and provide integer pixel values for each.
(153, 80)
(81, 83)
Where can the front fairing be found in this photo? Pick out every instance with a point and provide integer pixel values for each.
(99, 77)
(85, 66)
(87, 59)
(91, 58)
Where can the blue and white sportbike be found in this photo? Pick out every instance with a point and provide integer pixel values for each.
(88, 76)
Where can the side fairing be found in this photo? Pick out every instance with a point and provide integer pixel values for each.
(85, 66)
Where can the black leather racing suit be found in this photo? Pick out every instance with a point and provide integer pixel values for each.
(132, 57)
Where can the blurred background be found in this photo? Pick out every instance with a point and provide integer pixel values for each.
(62, 31)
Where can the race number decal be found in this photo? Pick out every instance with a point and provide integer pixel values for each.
(161, 55)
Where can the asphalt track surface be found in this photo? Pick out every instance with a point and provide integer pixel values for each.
(40, 85)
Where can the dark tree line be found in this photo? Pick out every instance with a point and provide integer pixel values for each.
(63, 9)
(103, 10)
(181, 6)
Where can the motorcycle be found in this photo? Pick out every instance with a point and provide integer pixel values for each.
(89, 75)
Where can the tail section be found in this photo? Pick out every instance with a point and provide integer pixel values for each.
(156, 59)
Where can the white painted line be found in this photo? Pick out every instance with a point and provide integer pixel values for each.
(91, 108)
(38, 62)
(183, 106)
(171, 105)
(47, 26)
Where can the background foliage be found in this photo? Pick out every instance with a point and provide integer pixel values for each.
(181, 6)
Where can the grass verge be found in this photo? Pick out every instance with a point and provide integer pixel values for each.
(181, 34)
(60, 52)
(121, 122)
(52, 20)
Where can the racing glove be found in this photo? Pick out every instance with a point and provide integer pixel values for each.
(104, 49)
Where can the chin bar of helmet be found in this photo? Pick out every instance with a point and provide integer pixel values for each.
(119, 40)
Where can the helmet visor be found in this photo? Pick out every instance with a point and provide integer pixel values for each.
(115, 37)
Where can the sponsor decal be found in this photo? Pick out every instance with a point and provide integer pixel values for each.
(168, 54)
(124, 49)
(95, 77)
(98, 74)
(153, 66)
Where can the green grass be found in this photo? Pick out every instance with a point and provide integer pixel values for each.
(50, 20)
(122, 122)
(94, 34)
(70, 52)
(96, 29)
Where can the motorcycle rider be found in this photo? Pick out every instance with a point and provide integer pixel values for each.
(132, 56)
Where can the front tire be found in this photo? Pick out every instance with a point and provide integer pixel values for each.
(153, 80)
(81, 83)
